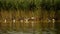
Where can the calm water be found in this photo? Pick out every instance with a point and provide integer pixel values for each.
(29, 32)
(31, 28)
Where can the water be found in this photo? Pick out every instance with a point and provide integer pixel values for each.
(29, 32)
(32, 27)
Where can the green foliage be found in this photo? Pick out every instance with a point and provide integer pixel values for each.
(14, 5)
(28, 5)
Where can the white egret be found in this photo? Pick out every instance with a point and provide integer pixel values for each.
(21, 21)
(53, 20)
(26, 20)
(5, 21)
(14, 21)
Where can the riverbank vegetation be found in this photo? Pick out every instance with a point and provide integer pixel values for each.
(43, 10)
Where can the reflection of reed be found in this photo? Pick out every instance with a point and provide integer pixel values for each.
(19, 21)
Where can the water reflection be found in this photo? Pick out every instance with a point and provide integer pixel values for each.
(30, 27)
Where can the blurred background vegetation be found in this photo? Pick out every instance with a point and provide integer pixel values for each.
(29, 4)
(43, 9)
